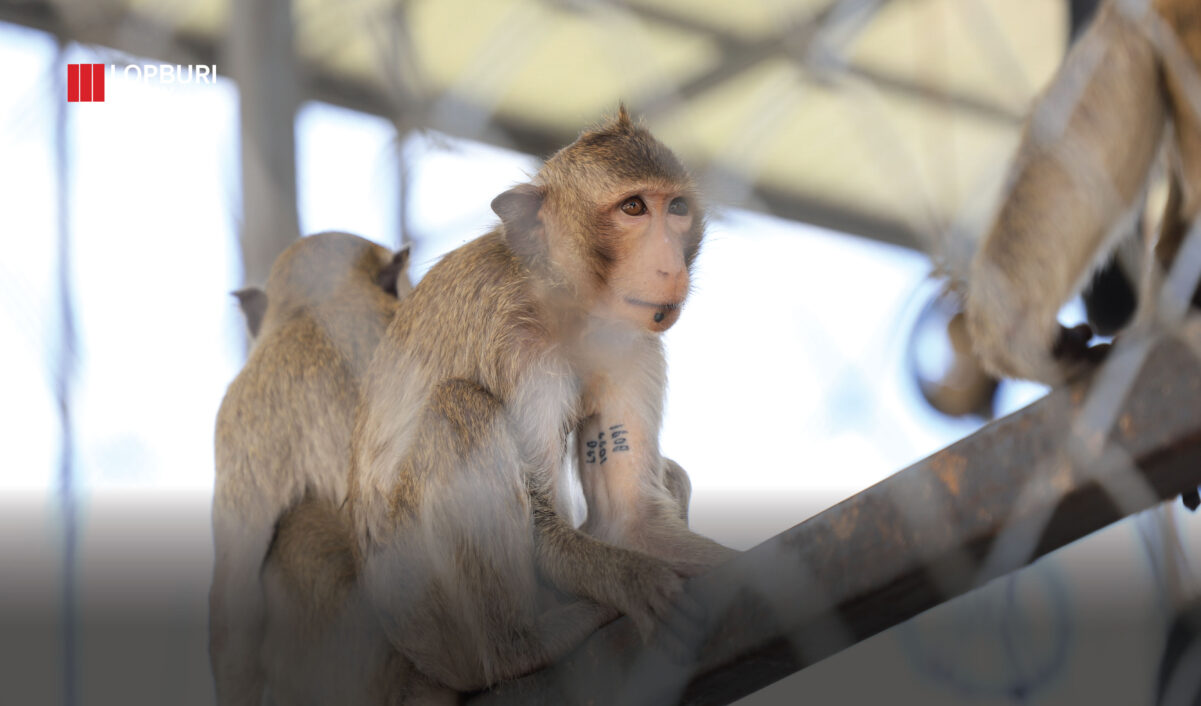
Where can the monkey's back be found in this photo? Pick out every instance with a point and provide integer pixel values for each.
(286, 419)
(285, 423)
(282, 452)
(475, 301)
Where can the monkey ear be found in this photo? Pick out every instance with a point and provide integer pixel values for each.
(393, 271)
(518, 210)
(253, 302)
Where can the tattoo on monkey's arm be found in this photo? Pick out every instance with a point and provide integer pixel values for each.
(609, 441)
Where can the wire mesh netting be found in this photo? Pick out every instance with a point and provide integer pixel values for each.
(799, 372)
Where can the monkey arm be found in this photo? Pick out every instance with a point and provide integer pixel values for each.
(453, 570)
(635, 497)
(1082, 161)
(1179, 38)
(641, 586)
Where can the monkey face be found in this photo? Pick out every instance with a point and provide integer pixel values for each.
(653, 235)
(614, 215)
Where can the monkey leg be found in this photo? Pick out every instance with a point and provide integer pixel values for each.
(236, 607)
(679, 485)
(455, 583)
(322, 643)
(1083, 159)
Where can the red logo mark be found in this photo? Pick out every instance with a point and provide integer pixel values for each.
(85, 83)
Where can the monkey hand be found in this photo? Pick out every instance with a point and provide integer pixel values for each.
(1009, 345)
(695, 566)
(651, 593)
(1074, 354)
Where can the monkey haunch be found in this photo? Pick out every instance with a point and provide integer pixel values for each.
(283, 604)
(546, 326)
(1083, 160)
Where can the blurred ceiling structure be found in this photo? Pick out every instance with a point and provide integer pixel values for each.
(889, 119)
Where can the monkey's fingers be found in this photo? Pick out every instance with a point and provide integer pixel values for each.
(680, 629)
(1095, 355)
(1073, 352)
(684, 629)
(645, 622)
(653, 596)
(670, 627)
(1072, 343)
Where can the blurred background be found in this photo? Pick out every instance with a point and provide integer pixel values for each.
(852, 150)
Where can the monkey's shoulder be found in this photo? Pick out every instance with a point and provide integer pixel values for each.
(474, 292)
(482, 264)
(294, 370)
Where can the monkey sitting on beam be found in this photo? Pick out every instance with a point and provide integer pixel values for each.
(543, 329)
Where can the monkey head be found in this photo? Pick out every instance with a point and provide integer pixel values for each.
(614, 219)
(314, 269)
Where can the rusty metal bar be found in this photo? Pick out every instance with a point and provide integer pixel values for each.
(911, 542)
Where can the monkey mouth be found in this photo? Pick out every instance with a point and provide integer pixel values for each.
(668, 306)
(664, 313)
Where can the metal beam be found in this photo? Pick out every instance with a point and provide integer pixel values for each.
(741, 55)
(264, 64)
(926, 534)
(797, 207)
(139, 36)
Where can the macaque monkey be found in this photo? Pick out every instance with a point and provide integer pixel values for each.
(1082, 164)
(284, 578)
(544, 327)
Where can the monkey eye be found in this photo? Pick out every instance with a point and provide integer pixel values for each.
(633, 206)
(678, 206)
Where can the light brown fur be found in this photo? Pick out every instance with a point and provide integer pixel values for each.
(284, 599)
(544, 327)
(1081, 165)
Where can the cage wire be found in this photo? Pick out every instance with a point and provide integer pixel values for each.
(814, 45)
(63, 375)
